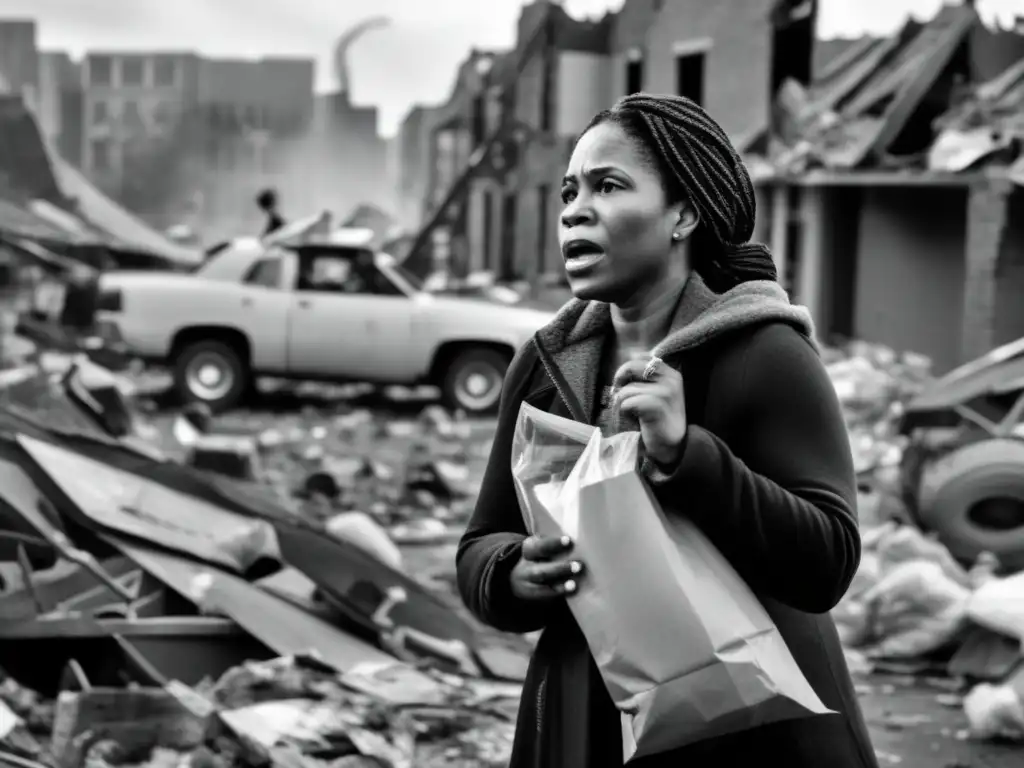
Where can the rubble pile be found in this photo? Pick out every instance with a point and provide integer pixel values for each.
(351, 469)
(396, 678)
(912, 603)
(26, 719)
(874, 384)
(874, 106)
(284, 712)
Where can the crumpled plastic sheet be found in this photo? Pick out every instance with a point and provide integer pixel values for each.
(995, 712)
(325, 716)
(909, 596)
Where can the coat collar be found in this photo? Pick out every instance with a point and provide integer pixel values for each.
(571, 345)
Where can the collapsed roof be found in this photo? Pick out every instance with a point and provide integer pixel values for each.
(891, 103)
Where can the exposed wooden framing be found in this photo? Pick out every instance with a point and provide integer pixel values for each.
(920, 79)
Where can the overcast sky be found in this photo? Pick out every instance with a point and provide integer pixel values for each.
(411, 61)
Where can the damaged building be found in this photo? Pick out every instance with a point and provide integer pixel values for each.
(891, 205)
(534, 100)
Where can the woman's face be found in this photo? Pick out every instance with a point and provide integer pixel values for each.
(616, 231)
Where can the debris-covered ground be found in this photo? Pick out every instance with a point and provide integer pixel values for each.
(933, 644)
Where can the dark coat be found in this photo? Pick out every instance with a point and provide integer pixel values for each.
(766, 472)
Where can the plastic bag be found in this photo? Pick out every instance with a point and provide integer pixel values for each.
(998, 605)
(915, 609)
(994, 712)
(684, 647)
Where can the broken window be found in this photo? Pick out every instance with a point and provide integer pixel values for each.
(543, 201)
(131, 116)
(507, 270)
(101, 70)
(101, 160)
(479, 120)
(493, 109)
(793, 44)
(133, 71)
(100, 112)
(690, 76)
(790, 279)
(488, 204)
(165, 72)
(546, 96)
(634, 76)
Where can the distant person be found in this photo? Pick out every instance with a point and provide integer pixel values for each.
(267, 202)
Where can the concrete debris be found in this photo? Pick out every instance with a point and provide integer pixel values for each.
(283, 712)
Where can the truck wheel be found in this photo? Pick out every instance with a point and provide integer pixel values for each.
(973, 498)
(211, 372)
(473, 379)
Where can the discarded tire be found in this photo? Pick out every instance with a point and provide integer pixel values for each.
(973, 498)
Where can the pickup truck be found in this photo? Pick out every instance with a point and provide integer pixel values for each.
(327, 309)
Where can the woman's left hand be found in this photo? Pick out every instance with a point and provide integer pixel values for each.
(657, 402)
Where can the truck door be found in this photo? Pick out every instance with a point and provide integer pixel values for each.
(264, 304)
(345, 324)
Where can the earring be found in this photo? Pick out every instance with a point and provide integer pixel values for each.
(675, 235)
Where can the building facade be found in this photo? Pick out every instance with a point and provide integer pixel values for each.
(133, 105)
(243, 129)
(180, 138)
(731, 58)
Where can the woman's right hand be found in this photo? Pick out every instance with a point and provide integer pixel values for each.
(538, 576)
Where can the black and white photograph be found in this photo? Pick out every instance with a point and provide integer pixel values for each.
(511, 384)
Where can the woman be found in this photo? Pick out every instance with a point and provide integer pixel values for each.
(739, 422)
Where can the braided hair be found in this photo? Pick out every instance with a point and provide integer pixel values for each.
(698, 163)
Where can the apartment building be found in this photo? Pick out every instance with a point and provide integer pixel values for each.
(133, 104)
(174, 133)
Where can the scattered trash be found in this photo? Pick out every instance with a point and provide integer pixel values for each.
(361, 496)
(995, 711)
